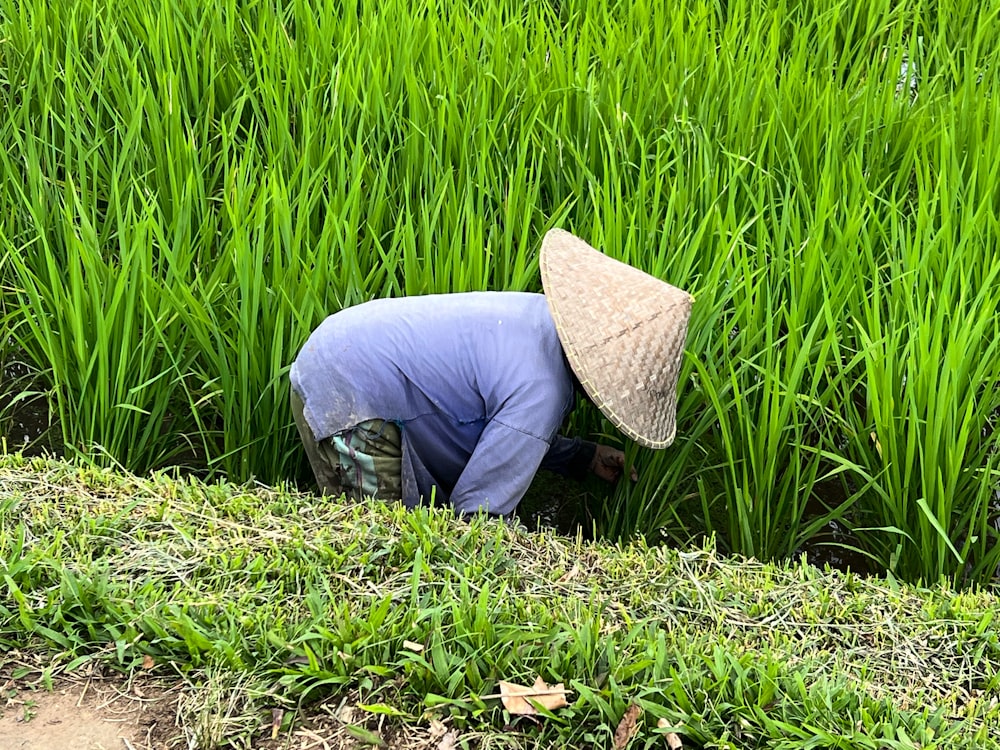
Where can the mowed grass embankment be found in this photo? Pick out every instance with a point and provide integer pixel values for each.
(258, 598)
(188, 188)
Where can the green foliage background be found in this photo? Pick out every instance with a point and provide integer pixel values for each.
(186, 189)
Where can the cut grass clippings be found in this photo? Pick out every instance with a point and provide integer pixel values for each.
(273, 604)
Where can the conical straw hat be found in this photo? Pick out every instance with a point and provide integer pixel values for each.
(623, 332)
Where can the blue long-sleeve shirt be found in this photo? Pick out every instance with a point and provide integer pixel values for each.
(477, 382)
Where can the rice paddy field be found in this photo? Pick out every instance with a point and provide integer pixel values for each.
(188, 188)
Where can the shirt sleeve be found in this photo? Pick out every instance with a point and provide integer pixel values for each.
(499, 471)
(570, 457)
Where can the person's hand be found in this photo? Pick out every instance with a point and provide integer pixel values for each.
(609, 464)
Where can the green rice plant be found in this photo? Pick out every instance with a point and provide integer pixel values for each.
(767, 325)
(920, 442)
(93, 321)
(88, 311)
(930, 458)
(836, 214)
(188, 190)
(761, 402)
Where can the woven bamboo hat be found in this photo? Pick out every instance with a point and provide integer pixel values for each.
(623, 332)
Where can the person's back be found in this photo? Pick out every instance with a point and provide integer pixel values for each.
(461, 374)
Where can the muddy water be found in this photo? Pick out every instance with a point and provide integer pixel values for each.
(24, 423)
(564, 506)
(827, 548)
(556, 503)
(830, 545)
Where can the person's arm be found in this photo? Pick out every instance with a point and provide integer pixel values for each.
(575, 458)
(570, 457)
(499, 471)
(609, 464)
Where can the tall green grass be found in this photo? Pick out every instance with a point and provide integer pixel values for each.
(188, 190)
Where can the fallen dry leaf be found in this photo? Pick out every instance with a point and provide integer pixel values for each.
(347, 714)
(277, 715)
(514, 697)
(148, 662)
(411, 646)
(569, 575)
(449, 741)
(438, 729)
(673, 740)
(311, 740)
(878, 445)
(627, 727)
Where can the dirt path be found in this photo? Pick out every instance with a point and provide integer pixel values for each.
(89, 714)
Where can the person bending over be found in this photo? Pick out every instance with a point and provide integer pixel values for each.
(459, 397)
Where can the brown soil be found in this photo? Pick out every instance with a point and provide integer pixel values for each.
(114, 712)
(87, 714)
